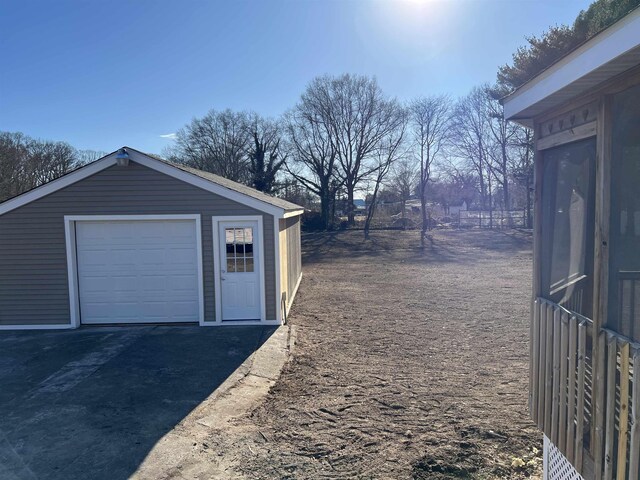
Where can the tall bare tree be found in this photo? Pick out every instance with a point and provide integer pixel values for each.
(266, 155)
(522, 167)
(390, 150)
(312, 158)
(504, 136)
(404, 178)
(216, 143)
(472, 138)
(430, 123)
(356, 116)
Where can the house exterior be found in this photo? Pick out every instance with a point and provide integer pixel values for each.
(454, 210)
(585, 325)
(133, 239)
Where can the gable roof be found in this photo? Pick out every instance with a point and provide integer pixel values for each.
(238, 187)
(207, 181)
(614, 50)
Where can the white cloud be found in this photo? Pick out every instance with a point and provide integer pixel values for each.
(170, 136)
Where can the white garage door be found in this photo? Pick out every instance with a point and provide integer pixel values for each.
(137, 271)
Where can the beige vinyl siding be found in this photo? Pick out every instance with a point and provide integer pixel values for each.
(290, 256)
(33, 264)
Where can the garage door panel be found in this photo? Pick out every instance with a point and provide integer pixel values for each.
(93, 258)
(138, 271)
(183, 284)
(123, 256)
(152, 256)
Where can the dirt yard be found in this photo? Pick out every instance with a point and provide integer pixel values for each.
(407, 364)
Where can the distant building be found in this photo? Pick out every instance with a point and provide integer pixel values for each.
(359, 204)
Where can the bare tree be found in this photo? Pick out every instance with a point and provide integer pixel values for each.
(504, 136)
(266, 156)
(388, 152)
(216, 143)
(430, 123)
(312, 158)
(404, 178)
(522, 167)
(13, 152)
(472, 138)
(26, 163)
(88, 156)
(356, 116)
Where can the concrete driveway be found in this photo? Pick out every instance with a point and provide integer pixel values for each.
(92, 403)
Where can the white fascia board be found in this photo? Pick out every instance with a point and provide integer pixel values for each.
(142, 159)
(203, 183)
(593, 54)
(293, 213)
(58, 184)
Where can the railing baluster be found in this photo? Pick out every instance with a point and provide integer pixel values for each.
(599, 389)
(582, 360)
(548, 387)
(624, 411)
(634, 456)
(612, 368)
(541, 364)
(564, 352)
(572, 414)
(555, 401)
(535, 353)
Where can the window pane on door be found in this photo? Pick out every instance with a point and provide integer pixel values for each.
(239, 248)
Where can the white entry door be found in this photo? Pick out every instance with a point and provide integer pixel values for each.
(239, 270)
(138, 271)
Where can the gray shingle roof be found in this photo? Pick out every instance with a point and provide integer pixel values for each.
(231, 185)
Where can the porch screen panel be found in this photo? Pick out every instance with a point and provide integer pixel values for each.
(624, 233)
(568, 218)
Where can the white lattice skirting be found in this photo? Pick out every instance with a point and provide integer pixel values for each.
(556, 466)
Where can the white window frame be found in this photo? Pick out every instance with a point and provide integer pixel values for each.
(215, 227)
(72, 265)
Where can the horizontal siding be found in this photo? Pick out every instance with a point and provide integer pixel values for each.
(33, 264)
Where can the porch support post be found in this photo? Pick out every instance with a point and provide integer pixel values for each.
(601, 275)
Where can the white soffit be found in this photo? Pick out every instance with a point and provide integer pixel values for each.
(601, 58)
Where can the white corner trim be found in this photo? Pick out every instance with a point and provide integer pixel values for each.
(293, 294)
(72, 271)
(276, 247)
(293, 213)
(72, 267)
(149, 162)
(616, 40)
(58, 184)
(215, 230)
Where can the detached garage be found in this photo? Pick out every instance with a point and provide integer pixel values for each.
(132, 239)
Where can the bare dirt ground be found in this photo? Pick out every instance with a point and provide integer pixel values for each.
(408, 364)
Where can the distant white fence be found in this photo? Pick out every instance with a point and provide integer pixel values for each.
(492, 219)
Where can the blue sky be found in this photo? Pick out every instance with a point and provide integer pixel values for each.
(102, 74)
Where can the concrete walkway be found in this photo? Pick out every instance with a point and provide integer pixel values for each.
(187, 452)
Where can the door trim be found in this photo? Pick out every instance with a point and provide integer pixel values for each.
(215, 225)
(72, 265)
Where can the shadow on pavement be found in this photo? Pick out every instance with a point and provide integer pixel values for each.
(92, 403)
